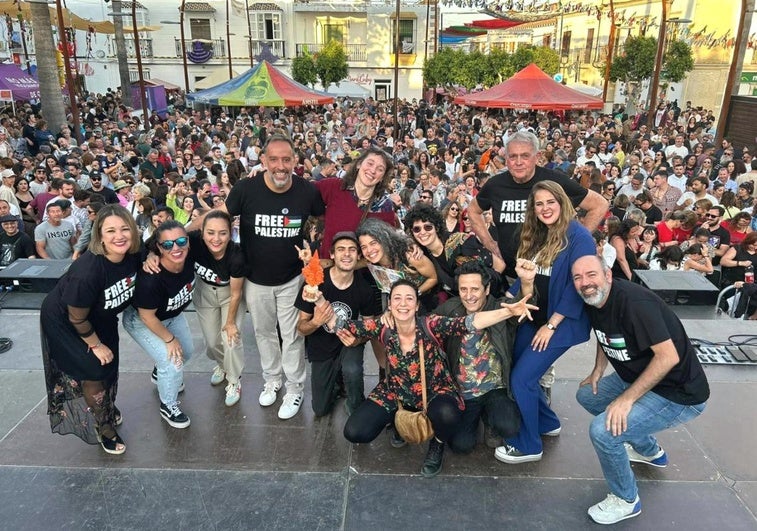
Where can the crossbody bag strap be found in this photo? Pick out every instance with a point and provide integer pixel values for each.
(423, 376)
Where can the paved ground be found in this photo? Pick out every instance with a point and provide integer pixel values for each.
(243, 468)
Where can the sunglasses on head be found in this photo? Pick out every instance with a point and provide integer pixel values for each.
(168, 244)
(428, 227)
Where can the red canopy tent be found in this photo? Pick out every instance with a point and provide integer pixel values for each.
(529, 89)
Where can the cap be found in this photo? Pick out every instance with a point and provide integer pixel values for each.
(120, 184)
(7, 218)
(344, 235)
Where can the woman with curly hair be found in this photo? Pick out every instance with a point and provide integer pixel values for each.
(361, 194)
(552, 240)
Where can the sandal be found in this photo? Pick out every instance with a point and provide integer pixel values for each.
(111, 446)
(117, 417)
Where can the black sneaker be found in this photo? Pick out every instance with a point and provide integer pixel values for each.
(432, 465)
(396, 439)
(174, 416)
(154, 378)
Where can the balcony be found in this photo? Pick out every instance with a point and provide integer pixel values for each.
(355, 52)
(277, 48)
(145, 48)
(216, 46)
(340, 6)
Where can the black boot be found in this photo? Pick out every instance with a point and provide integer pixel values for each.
(432, 465)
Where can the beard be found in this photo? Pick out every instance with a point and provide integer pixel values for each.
(596, 299)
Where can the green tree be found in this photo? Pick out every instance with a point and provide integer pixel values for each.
(304, 70)
(677, 61)
(499, 67)
(436, 69)
(544, 57)
(331, 63)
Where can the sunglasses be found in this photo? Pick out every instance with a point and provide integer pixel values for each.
(454, 208)
(428, 227)
(168, 244)
(465, 218)
(95, 179)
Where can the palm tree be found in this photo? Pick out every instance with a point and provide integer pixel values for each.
(53, 108)
(123, 64)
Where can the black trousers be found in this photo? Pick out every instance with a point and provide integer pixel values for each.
(323, 380)
(369, 419)
(498, 411)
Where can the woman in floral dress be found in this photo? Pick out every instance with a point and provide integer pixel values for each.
(403, 382)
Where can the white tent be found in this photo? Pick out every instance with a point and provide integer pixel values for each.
(346, 89)
(585, 89)
(215, 78)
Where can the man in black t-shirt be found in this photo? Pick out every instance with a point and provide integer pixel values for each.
(347, 296)
(720, 238)
(507, 193)
(14, 244)
(658, 381)
(273, 207)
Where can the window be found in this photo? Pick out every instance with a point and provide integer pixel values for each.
(266, 26)
(334, 32)
(407, 35)
(546, 41)
(565, 47)
(199, 28)
(589, 45)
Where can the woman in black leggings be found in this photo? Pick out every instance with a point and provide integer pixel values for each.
(402, 384)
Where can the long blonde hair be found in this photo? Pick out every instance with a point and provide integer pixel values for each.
(539, 242)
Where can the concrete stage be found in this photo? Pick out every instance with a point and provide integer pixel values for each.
(243, 468)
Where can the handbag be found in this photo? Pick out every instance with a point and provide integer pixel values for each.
(414, 426)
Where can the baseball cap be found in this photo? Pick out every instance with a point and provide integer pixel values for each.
(344, 235)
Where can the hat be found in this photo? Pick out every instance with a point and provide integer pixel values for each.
(7, 218)
(411, 184)
(344, 235)
(748, 186)
(7, 173)
(120, 184)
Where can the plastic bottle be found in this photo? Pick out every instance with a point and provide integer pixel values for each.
(749, 274)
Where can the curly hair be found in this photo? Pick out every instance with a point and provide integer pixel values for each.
(424, 212)
(348, 181)
(539, 242)
(394, 243)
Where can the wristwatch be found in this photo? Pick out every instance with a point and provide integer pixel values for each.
(552, 327)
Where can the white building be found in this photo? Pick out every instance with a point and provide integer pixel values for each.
(214, 39)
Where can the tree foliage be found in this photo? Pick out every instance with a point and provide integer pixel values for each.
(678, 61)
(637, 60)
(452, 67)
(304, 70)
(331, 63)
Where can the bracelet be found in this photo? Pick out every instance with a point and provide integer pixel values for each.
(93, 347)
(170, 340)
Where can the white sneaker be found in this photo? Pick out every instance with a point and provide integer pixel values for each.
(268, 395)
(218, 376)
(613, 509)
(290, 406)
(233, 392)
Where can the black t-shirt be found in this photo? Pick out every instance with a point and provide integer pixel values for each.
(168, 293)
(357, 299)
(271, 224)
(212, 271)
(110, 196)
(20, 245)
(718, 237)
(508, 199)
(631, 321)
(654, 215)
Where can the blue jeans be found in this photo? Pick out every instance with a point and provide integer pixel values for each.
(650, 414)
(528, 366)
(170, 377)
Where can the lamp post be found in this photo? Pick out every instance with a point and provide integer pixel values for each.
(67, 69)
(610, 49)
(138, 53)
(249, 28)
(397, 48)
(228, 38)
(183, 45)
(655, 86)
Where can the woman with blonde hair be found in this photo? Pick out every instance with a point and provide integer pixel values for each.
(552, 240)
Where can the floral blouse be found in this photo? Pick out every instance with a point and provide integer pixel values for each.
(404, 375)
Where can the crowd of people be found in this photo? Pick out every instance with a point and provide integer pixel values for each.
(483, 245)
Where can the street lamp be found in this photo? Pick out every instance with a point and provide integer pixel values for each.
(180, 23)
(228, 38)
(138, 53)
